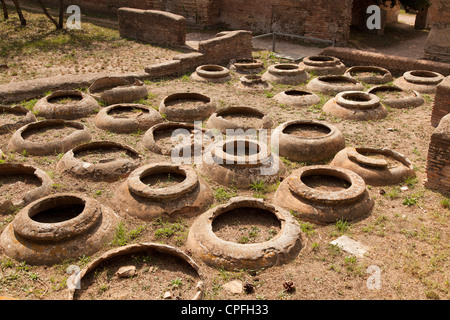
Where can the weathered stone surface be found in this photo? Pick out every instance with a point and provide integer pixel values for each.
(234, 287)
(126, 272)
(351, 246)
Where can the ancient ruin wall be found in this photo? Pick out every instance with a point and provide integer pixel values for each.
(441, 105)
(152, 26)
(438, 43)
(319, 19)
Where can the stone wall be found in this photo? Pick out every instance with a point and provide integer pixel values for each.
(157, 27)
(438, 44)
(438, 162)
(441, 105)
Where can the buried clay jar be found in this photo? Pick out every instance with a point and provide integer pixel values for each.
(204, 240)
(235, 118)
(239, 162)
(356, 105)
(423, 81)
(323, 65)
(163, 189)
(378, 167)
(253, 82)
(211, 73)
(370, 74)
(186, 106)
(115, 90)
(332, 85)
(99, 161)
(286, 73)
(324, 194)
(66, 104)
(297, 98)
(308, 140)
(57, 228)
(395, 97)
(127, 118)
(48, 137)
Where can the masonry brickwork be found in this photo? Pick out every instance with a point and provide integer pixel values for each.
(438, 162)
(441, 106)
(438, 42)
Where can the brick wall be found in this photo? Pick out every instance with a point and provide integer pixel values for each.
(319, 19)
(441, 105)
(395, 64)
(438, 43)
(438, 162)
(152, 26)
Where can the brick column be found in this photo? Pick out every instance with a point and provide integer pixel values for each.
(438, 44)
(441, 105)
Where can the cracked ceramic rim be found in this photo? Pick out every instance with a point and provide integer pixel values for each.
(115, 90)
(212, 71)
(251, 80)
(423, 77)
(72, 110)
(327, 84)
(221, 253)
(414, 100)
(28, 228)
(221, 156)
(32, 195)
(27, 117)
(136, 186)
(356, 155)
(353, 193)
(18, 143)
(357, 100)
(143, 247)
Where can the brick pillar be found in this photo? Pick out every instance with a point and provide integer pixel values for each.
(441, 105)
(438, 163)
(438, 43)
